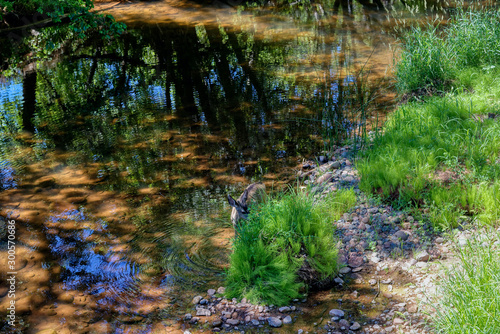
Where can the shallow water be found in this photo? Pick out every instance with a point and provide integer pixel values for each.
(116, 158)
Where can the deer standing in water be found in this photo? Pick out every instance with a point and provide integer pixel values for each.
(254, 193)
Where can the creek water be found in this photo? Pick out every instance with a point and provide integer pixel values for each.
(116, 158)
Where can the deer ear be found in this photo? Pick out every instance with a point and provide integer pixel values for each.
(231, 201)
(244, 197)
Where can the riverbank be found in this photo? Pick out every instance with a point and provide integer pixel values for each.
(437, 162)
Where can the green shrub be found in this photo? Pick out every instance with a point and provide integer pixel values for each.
(278, 237)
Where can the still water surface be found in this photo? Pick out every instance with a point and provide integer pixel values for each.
(116, 158)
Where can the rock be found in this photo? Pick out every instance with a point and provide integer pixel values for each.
(372, 210)
(439, 240)
(211, 292)
(365, 220)
(203, 302)
(336, 313)
(221, 290)
(335, 164)
(412, 308)
(344, 270)
(274, 322)
(358, 269)
(422, 256)
(197, 299)
(355, 326)
(401, 235)
(386, 281)
(188, 316)
(233, 322)
(300, 331)
(203, 312)
(398, 321)
(194, 320)
(422, 265)
(355, 261)
(324, 178)
(338, 280)
(389, 329)
(372, 281)
(284, 309)
(287, 320)
(344, 324)
(355, 294)
(217, 323)
(255, 322)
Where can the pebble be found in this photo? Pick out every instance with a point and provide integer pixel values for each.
(355, 326)
(197, 299)
(274, 322)
(401, 235)
(233, 322)
(398, 321)
(211, 292)
(422, 256)
(284, 309)
(336, 313)
(287, 320)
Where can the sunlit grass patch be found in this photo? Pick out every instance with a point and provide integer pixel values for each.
(433, 57)
(278, 238)
(470, 301)
(442, 153)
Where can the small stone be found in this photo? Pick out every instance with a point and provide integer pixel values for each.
(287, 320)
(284, 309)
(324, 178)
(386, 281)
(255, 322)
(401, 235)
(300, 331)
(194, 320)
(355, 326)
(358, 269)
(413, 308)
(422, 265)
(188, 316)
(221, 290)
(365, 220)
(355, 261)
(398, 321)
(203, 302)
(387, 295)
(372, 281)
(336, 313)
(439, 240)
(345, 270)
(389, 329)
(197, 299)
(355, 294)
(422, 256)
(203, 312)
(211, 292)
(233, 322)
(344, 324)
(274, 322)
(336, 164)
(217, 323)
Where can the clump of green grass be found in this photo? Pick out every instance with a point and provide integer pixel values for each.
(470, 301)
(433, 57)
(272, 245)
(450, 136)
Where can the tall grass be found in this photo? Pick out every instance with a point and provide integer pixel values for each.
(434, 56)
(277, 239)
(470, 301)
(434, 153)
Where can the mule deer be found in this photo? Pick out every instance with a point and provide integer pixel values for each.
(254, 193)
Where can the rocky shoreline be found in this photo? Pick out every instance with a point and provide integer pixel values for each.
(390, 265)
